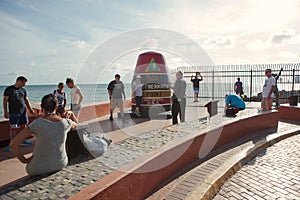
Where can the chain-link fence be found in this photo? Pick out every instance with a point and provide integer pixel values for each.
(219, 80)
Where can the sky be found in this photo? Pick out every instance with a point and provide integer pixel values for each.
(91, 40)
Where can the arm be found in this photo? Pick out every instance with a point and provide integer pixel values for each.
(192, 78)
(70, 115)
(271, 91)
(19, 139)
(123, 92)
(6, 114)
(109, 93)
(110, 89)
(28, 105)
(74, 124)
(133, 88)
(65, 102)
(80, 96)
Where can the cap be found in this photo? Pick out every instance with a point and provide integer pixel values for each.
(138, 76)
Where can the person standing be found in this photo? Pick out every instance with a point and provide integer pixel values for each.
(276, 92)
(179, 98)
(268, 91)
(61, 98)
(137, 93)
(115, 91)
(76, 96)
(15, 98)
(49, 153)
(195, 80)
(238, 87)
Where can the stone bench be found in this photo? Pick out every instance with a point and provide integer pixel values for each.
(289, 113)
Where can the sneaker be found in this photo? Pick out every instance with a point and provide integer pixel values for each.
(26, 143)
(111, 118)
(138, 114)
(7, 148)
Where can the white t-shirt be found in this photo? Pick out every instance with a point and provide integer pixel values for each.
(75, 94)
(60, 97)
(137, 88)
(269, 82)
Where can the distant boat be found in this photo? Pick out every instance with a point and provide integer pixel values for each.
(152, 68)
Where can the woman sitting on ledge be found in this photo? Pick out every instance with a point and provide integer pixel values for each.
(49, 153)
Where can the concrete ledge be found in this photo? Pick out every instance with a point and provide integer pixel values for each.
(289, 113)
(88, 112)
(91, 112)
(137, 179)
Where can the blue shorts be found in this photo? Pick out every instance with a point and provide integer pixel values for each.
(196, 90)
(16, 120)
(75, 110)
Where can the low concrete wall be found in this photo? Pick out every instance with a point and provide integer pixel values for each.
(289, 113)
(87, 113)
(139, 178)
(94, 111)
(5, 128)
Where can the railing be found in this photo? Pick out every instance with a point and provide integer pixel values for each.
(219, 80)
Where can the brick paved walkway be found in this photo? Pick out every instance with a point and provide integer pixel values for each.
(273, 174)
(205, 178)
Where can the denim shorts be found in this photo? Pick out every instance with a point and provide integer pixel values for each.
(16, 120)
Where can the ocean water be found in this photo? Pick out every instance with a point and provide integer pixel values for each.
(96, 93)
(93, 93)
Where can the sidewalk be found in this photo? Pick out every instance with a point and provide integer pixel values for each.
(203, 180)
(273, 174)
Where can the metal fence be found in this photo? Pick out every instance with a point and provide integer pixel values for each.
(219, 80)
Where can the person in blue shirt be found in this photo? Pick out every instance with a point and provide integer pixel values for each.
(234, 102)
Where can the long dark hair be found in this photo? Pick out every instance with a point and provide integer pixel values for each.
(49, 102)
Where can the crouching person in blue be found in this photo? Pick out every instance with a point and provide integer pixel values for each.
(234, 104)
(49, 153)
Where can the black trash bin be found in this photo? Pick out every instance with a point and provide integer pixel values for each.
(293, 100)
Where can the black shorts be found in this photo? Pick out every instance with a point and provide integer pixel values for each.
(138, 101)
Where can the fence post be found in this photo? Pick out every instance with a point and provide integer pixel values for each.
(213, 85)
(251, 75)
(293, 82)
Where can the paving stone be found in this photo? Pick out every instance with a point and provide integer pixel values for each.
(277, 175)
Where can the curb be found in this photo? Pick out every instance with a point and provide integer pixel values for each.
(212, 184)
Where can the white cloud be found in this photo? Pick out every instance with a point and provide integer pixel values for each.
(76, 43)
(219, 42)
(288, 55)
(278, 38)
(258, 45)
(283, 36)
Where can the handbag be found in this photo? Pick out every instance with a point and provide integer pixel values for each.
(82, 142)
